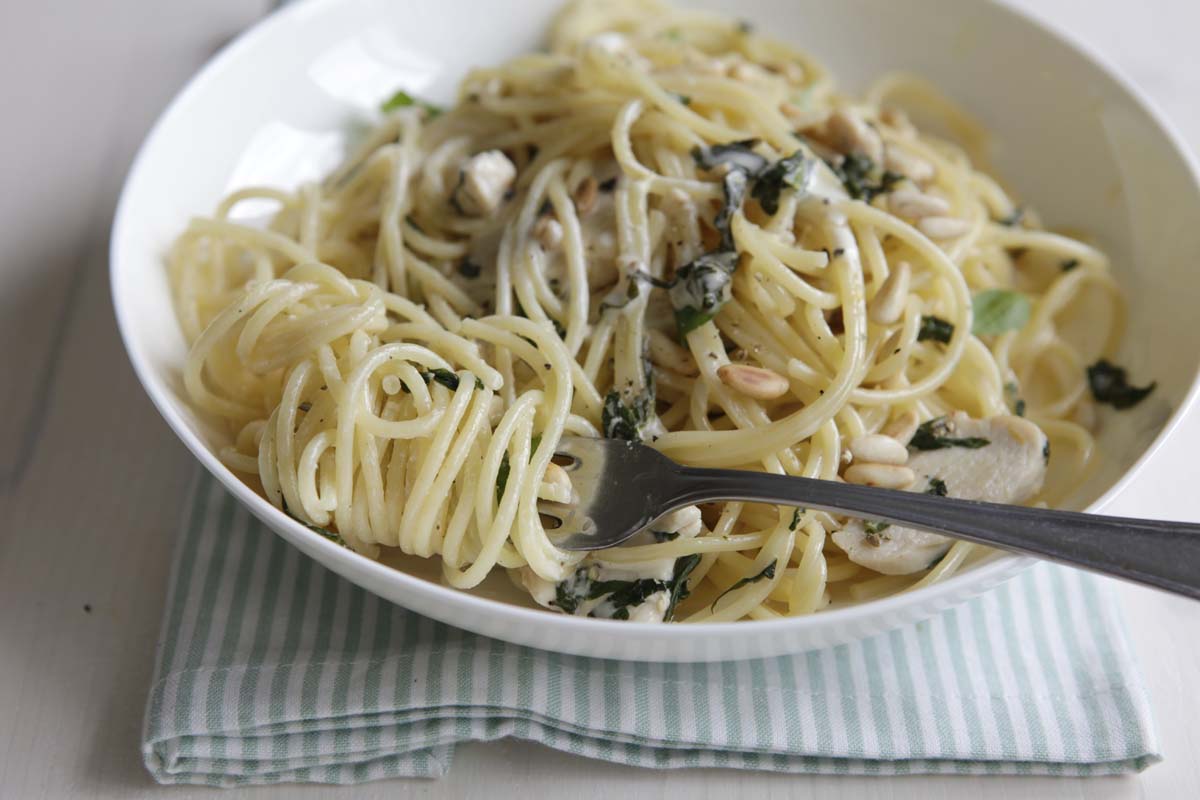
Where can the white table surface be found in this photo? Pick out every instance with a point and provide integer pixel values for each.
(91, 480)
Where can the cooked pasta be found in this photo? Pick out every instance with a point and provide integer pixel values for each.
(664, 227)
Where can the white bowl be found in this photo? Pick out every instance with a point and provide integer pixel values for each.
(1077, 141)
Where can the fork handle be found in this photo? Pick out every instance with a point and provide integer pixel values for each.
(1165, 555)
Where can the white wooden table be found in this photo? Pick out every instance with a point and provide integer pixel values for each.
(91, 480)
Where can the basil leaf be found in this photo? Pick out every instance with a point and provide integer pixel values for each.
(937, 487)
(935, 328)
(998, 311)
(1110, 384)
(767, 572)
(679, 586)
(402, 99)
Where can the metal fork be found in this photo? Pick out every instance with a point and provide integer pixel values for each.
(623, 487)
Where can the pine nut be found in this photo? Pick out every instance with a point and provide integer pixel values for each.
(943, 227)
(799, 117)
(888, 303)
(896, 118)
(746, 73)
(876, 448)
(556, 476)
(917, 205)
(585, 196)
(850, 134)
(902, 427)
(685, 521)
(885, 476)
(793, 72)
(667, 354)
(548, 232)
(756, 382)
(556, 485)
(917, 170)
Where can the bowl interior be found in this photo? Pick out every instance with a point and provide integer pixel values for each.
(281, 104)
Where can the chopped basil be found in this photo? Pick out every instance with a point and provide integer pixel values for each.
(738, 155)
(623, 595)
(332, 536)
(862, 179)
(626, 418)
(701, 288)
(767, 572)
(1014, 219)
(1012, 394)
(1046, 452)
(770, 179)
(937, 487)
(792, 172)
(734, 187)
(935, 435)
(608, 185)
(443, 376)
(664, 536)
(402, 99)
(619, 595)
(684, 99)
(469, 269)
(935, 328)
(570, 593)
(1070, 264)
(873, 528)
(795, 523)
(1110, 384)
(502, 477)
(998, 311)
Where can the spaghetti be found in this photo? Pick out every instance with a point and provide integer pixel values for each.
(665, 227)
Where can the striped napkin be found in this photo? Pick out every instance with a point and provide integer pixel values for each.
(272, 669)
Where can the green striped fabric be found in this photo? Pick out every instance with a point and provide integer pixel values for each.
(272, 669)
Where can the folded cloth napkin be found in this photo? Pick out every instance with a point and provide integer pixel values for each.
(273, 669)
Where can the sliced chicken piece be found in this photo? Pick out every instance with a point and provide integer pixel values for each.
(1009, 468)
(483, 181)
